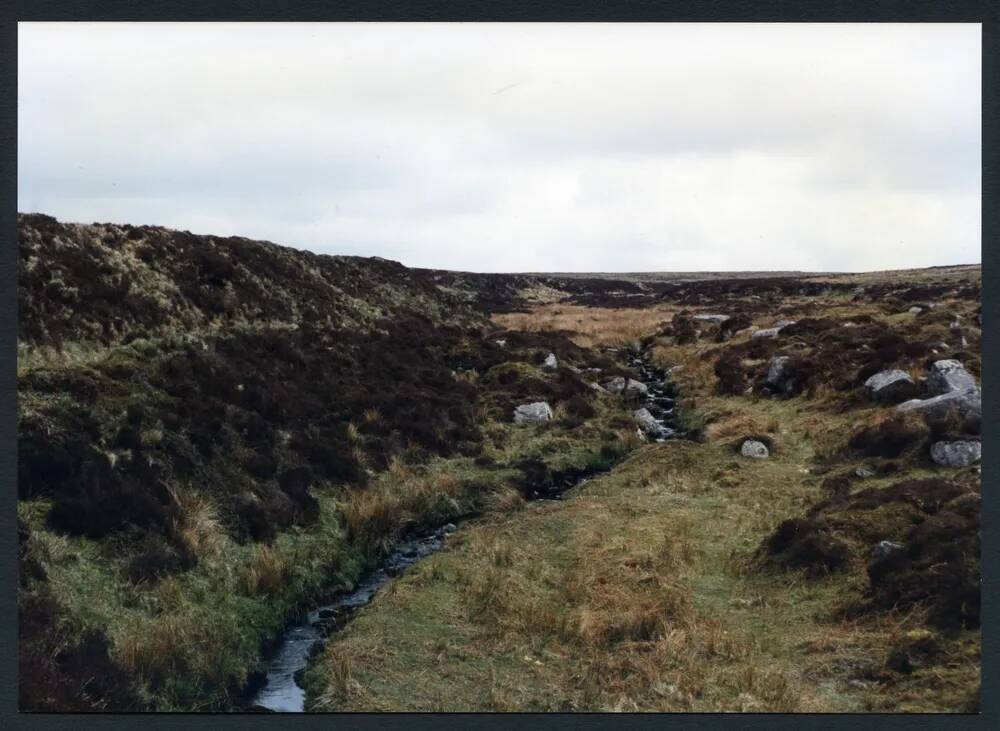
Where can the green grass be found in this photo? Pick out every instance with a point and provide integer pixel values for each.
(544, 611)
(192, 638)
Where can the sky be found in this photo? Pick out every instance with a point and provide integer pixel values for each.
(518, 147)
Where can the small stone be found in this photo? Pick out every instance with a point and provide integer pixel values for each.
(891, 386)
(636, 387)
(615, 385)
(915, 310)
(964, 453)
(501, 343)
(771, 332)
(883, 549)
(864, 472)
(551, 361)
(535, 412)
(754, 449)
(717, 319)
(778, 376)
(945, 376)
(648, 424)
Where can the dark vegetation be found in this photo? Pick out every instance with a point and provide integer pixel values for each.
(105, 283)
(935, 524)
(256, 376)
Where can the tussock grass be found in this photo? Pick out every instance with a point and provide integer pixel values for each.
(198, 527)
(591, 326)
(265, 573)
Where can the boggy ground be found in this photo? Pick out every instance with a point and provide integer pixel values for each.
(692, 578)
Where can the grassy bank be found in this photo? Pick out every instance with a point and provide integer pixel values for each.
(638, 592)
(190, 639)
(663, 585)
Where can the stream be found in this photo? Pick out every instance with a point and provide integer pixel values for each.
(281, 691)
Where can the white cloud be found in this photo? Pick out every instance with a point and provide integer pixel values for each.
(518, 147)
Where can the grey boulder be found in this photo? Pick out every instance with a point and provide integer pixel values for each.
(531, 413)
(649, 425)
(966, 406)
(891, 387)
(956, 454)
(945, 376)
(754, 449)
(770, 332)
(629, 386)
(551, 361)
(717, 319)
(778, 374)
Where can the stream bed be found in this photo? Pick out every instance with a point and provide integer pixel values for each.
(281, 691)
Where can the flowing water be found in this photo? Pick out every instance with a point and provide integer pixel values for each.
(281, 691)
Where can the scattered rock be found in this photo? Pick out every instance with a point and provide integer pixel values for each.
(864, 472)
(891, 387)
(648, 424)
(956, 454)
(883, 549)
(551, 361)
(754, 449)
(615, 385)
(966, 405)
(717, 319)
(501, 343)
(915, 310)
(945, 376)
(530, 413)
(783, 323)
(778, 374)
(628, 386)
(636, 387)
(770, 332)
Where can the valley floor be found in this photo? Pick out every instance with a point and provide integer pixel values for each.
(638, 592)
(650, 588)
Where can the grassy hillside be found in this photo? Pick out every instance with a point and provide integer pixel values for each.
(204, 426)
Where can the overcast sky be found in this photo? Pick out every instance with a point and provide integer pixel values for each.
(510, 147)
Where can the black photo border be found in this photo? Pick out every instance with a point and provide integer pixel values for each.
(983, 12)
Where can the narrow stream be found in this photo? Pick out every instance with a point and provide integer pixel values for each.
(281, 691)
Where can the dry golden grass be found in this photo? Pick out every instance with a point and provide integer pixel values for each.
(736, 424)
(198, 526)
(591, 326)
(373, 517)
(265, 572)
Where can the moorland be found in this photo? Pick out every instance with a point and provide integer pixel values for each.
(648, 493)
